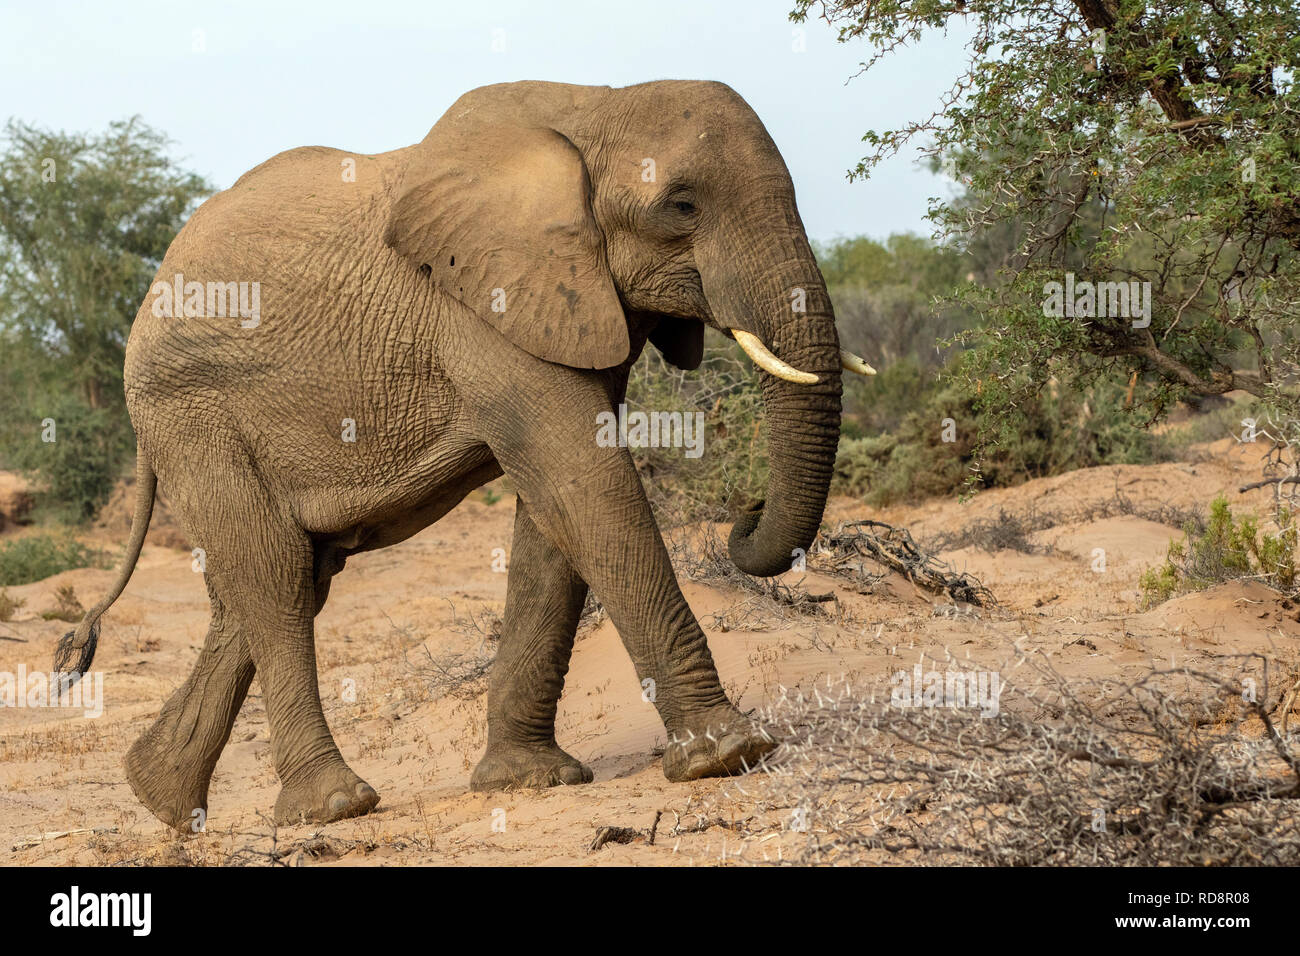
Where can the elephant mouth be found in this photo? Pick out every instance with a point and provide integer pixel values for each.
(679, 340)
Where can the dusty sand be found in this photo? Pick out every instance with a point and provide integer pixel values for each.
(60, 771)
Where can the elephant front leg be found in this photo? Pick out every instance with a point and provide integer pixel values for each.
(544, 600)
(587, 500)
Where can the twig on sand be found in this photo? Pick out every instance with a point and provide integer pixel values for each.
(625, 834)
(30, 842)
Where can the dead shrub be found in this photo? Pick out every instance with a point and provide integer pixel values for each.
(66, 606)
(1151, 772)
(844, 550)
(9, 604)
(1010, 530)
(460, 674)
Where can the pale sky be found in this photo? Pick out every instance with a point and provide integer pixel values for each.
(372, 75)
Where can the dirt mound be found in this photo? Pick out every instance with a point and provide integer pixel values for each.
(114, 518)
(1243, 616)
(1164, 493)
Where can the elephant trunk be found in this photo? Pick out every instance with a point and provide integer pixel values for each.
(803, 433)
(760, 277)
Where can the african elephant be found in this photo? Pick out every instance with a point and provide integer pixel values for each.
(470, 304)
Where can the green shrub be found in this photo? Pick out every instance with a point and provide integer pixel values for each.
(74, 474)
(1218, 419)
(1225, 551)
(37, 557)
(66, 608)
(892, 444)
(882, 402)
(933, 449)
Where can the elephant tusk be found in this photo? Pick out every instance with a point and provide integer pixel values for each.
(855, 363)
(768, 362)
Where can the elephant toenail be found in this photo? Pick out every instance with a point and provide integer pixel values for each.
(570, 776)
(338, 802)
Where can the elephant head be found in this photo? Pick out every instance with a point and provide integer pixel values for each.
(568, 215)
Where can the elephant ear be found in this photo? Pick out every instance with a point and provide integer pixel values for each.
(681, 341)
(499, 217)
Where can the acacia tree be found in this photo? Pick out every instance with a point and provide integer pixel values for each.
(1147, 141)
(84, 223)
(885, 292)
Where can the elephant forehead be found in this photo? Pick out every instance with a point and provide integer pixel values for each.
(691, 152)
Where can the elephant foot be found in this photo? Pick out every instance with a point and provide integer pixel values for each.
(716, 743)
(331, 793)
(176, 795)
(527, 767)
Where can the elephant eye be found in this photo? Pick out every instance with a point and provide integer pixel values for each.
(684, 206)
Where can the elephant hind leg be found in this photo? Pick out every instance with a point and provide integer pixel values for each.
(272, 587)
(544, 599)
(261, 567)
(170, 766)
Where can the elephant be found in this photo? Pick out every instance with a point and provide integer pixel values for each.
(468, 306)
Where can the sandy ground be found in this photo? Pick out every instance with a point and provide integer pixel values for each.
(393, 613)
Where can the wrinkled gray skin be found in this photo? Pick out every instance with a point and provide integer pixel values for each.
(376, 306)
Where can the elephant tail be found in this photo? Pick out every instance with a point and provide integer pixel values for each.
(76, 649)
